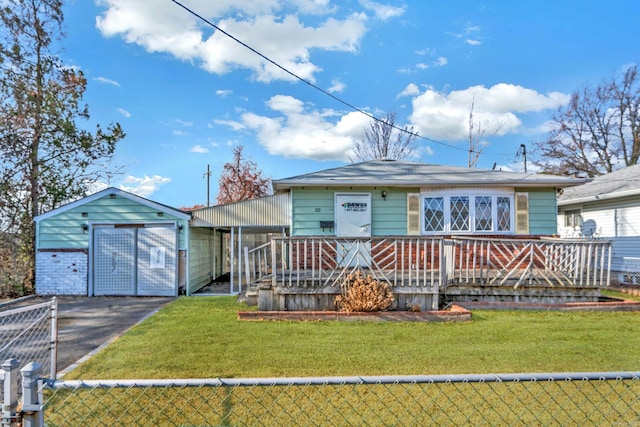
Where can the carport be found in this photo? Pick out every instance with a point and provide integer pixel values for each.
(219, 236)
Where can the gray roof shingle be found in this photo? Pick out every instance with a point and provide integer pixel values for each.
(396, 173)
(620, 183)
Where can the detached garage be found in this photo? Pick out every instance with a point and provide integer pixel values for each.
(111, 243)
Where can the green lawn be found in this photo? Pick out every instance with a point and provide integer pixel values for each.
(202, 338)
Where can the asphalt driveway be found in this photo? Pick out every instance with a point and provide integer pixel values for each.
(87, 323)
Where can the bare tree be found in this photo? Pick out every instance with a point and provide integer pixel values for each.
(383, 140)
(241, 179)
(597, 131)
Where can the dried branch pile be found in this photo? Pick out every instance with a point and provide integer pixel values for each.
(364, 294)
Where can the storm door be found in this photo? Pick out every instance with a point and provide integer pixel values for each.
(353, 220)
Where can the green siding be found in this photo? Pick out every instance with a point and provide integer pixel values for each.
(64, 230)
(201, 257)
(543, 210)
(312, 205)
(389, 217)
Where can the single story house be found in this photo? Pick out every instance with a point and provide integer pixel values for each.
(419, 227)
(608, 207)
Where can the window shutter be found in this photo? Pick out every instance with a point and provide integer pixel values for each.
(413, 213)
(522, 213)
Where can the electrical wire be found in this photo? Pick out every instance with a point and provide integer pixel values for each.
(338, 99)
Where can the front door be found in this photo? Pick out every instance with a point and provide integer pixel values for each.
(353, 220)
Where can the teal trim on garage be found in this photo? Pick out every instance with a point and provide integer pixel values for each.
(62, 227)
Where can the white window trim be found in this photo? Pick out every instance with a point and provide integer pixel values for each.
(472, 193)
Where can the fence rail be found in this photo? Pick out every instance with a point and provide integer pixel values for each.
(423, 261)
(607, 398)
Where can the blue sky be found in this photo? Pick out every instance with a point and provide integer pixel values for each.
(186, 94)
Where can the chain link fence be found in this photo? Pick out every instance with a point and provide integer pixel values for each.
(30, 333)
(516, 399)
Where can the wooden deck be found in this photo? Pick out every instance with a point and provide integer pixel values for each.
(308, 272)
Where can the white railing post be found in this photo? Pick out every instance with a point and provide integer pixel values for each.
(10, 392)
(247, 272)
(32, 405)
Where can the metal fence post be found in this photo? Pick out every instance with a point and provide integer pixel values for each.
(32, 408)
(54, 339)
(10, 392)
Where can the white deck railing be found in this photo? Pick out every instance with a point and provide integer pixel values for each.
(405, 261)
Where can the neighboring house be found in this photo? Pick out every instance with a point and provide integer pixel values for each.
(111, 243)
(608, 207)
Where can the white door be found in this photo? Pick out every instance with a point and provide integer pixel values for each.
(135, 260)
(157, 261)
(114, 261)
(353, 219)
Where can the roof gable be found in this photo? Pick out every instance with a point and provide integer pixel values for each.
(402, 173)
(121, 193)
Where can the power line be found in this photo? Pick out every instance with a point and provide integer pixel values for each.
(292, 74)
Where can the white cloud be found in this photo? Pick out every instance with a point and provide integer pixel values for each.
(124, 112)
(183, 123)
(235, 125)
(300, 132)
(382, 11)
(107, 81)
(446, 115)
(198, 149)
(224, 93)
(337, 86)
(144, 186)
(473, 42)
(276, 29)
(411, 90)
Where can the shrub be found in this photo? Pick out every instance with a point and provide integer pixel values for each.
(365, 294)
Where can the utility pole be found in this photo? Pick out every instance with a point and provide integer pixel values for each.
(207, 175)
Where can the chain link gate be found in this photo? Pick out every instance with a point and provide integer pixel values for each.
(30, 333)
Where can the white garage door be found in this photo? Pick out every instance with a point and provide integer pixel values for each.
(135, 261)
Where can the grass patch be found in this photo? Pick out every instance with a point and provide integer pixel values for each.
(620, 295)
(202, 338)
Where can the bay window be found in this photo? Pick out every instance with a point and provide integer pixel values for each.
(467, 212)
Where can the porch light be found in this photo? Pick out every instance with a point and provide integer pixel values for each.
(85, 227)
(384, 194)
